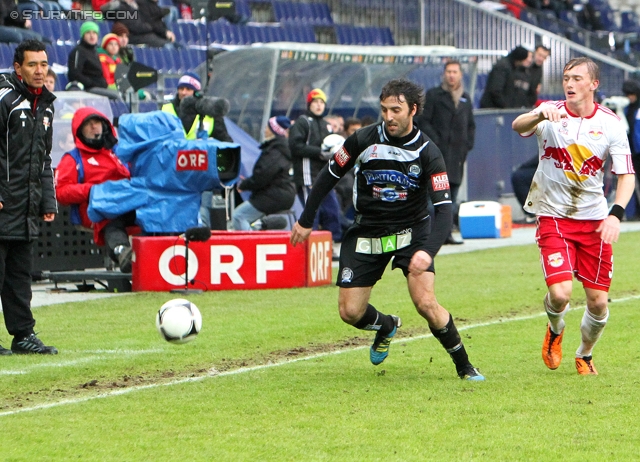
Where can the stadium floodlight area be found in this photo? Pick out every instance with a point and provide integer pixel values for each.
(274, 78)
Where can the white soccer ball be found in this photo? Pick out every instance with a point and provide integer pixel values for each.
(179, 321)
(332, 143)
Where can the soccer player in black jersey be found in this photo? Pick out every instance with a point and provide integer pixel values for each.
(396, 168)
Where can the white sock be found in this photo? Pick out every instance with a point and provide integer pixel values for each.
(591, 328)
(556, 320)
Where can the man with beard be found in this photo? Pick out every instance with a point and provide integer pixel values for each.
(397, 168)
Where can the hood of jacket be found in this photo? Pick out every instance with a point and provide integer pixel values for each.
(80, 116)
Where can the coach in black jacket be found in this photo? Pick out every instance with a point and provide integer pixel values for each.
(26, 188)
(448, 120)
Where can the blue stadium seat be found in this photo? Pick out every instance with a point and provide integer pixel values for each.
(214, 30)
(118, 108)
(169, 61)
(6, 55)
(147, 106)
(301, 33)
(321, 13)
(243, 9)
(187, 32)
(256, 34)
(143, 55)
(529, 17)
(629, 22)
(105, 27)
(61, 82)
(74, 26)
(42, 27)
(243, 34)
(549, 22)
(608, 20)
(570, 16)
(62, 53)
(62, 31)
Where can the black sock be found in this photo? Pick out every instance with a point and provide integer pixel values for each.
(374, 320)
(451, 341)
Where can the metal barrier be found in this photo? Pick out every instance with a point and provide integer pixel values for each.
(62, 247)
(467, 25)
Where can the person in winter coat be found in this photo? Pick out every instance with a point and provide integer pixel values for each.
(508, 82)
(447, 119)
(271, 183)
(631, 89)
(93, 163)
(305, 141)
(84, 63)
(26, 188)
(109, 58)
(143, 19)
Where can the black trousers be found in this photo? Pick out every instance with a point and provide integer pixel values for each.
(15, 286)
(115, 232)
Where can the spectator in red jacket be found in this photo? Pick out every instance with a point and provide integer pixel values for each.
(94, 138)
(109, 58)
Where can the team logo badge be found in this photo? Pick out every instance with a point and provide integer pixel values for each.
(555, 260)
(596, 133)
(347, 275)
(414, 170)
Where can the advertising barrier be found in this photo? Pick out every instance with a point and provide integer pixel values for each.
(232, 260)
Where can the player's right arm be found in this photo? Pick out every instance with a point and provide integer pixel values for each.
(527, 123)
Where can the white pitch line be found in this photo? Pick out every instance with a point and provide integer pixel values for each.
(100, 356)
(214, 373)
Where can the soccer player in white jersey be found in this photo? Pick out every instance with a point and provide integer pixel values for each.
(575, 226)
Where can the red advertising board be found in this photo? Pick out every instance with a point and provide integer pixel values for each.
(231, 260)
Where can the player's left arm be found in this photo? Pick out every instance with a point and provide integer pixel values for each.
(622, 166)
(609, 229)
(440, 193)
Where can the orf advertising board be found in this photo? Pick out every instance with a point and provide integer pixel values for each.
(231, 261)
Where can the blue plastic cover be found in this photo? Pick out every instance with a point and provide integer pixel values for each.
(168, 174)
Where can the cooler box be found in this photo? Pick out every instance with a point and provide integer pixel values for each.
(484, 219)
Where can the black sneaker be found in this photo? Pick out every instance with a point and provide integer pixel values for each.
(124, 259)
(4, 351)
(471, 373)
(31, 345)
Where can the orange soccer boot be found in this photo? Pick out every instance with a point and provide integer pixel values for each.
(552, 348)
(584, 365)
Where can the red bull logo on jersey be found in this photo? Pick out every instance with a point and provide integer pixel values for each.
(596, 133)
(577, 162)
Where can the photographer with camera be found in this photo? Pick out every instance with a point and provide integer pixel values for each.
(202, 117)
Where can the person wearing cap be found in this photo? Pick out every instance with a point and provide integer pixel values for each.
(198, 123)
(190, 85)
(94, 162)
(305, 141)
(271, 183)
(508, 83)
(631, 89)
(126, 52)
(108, 55)
(84, 64)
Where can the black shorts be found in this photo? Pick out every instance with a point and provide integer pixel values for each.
(366, 251)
